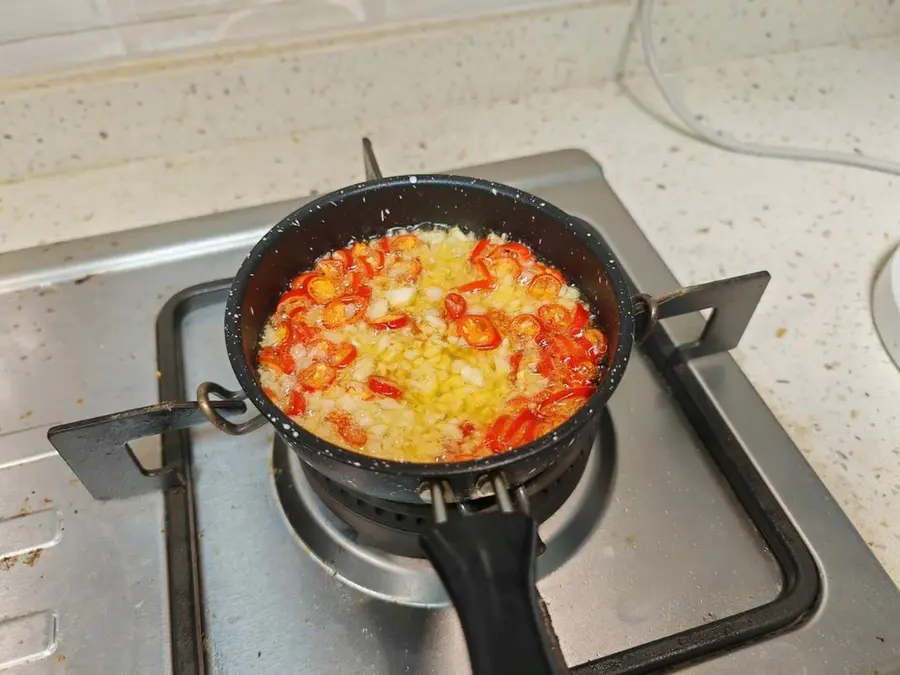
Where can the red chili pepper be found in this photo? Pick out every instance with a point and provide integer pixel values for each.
(352, 433)
(579, 320)
(345, 257)
(484, 271)
(525, 327)
(384, 387)
(297, 405)
(301, 280)
(455, 305)
(521, 430)
(405, 242)
(390, 322)
(479, 250)
(405, 270)
(580, 372)
(554, 315)
(384, 244)
(515, 362)
(317, 376)
(342, 356)
(331, 268)
(513, 250)
(467, 429)
(476, 286)
(301, 333)
(323, 289)
(507, 267)
(293, 301)
(344, 310)
(495, 435)
(596, 341)
(544, 287)
(479, 332)
(546, 407)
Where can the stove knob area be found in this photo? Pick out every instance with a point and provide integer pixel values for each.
(886, 305)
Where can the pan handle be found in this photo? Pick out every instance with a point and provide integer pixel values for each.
(486, 563)
(98, 453)
(731, 300)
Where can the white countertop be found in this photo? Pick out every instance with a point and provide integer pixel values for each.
(820, 230)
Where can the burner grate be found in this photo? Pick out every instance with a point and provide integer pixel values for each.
(395, 526)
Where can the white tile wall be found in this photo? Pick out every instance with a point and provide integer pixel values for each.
(41, 36)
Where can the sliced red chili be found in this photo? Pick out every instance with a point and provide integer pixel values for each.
(561, 347)
(384, 387)
(294, 300)
(596, 341)
(554, 315)
(301, 280)
(331, 268)
(513, 250)
(405, 270)
(368, 257)
(561, 402)
(521, 430)
(344, 310)
(579, 320)
(580, 372)
(455, 305)
(346, 258)
(269, 357)
(384, 244)
(352, 433)
(479, 332)
(525, 327)
(317, 376)
(343, 355)
(467, 429)
(301, 333)
(479, 251)
(495, 435)
(484, 271)
(390, 322)
(405, 242)
(515, 362)
(548, 367)
(320, 350)
(479, 286)
(544, 287)
(297, 404)
(323, 289)
(507, 267)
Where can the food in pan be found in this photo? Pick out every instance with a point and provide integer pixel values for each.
(430, 345)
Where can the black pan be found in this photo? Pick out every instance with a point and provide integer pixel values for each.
(373, 209)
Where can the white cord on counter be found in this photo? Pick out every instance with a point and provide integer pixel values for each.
(643, 12)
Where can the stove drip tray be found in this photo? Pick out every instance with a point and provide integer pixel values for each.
(372, 544)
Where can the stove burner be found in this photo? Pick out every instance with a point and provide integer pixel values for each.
(395, 526)
(569, 500)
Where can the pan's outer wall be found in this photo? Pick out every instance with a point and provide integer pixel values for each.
(373, 208)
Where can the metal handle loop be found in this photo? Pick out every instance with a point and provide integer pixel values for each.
(651, 307)
(203, 393)
(435, 493)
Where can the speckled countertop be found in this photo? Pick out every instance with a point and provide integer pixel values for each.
(820, 230)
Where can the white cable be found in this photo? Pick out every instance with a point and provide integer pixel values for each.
(643, 12)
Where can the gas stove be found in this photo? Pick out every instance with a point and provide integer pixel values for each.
(693, 535)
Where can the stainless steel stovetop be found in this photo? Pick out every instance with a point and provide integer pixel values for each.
(717, 529)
